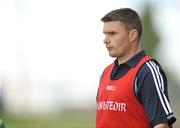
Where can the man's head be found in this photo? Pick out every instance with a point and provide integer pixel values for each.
(126, 15)
(122, 29)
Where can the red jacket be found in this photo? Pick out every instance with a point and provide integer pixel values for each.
(117, 106)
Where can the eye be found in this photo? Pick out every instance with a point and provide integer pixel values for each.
(111, 33)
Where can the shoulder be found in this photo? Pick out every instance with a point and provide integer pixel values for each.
(149, 76)
(108, 68)
(151, 67)
(153, 93)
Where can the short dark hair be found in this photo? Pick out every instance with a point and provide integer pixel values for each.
(128, 16)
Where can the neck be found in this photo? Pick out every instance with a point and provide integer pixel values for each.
(128, 56)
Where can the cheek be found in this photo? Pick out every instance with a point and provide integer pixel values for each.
(122, 45)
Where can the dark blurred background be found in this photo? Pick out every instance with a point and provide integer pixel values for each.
(52, 55)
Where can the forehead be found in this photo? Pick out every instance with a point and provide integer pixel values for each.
(113, 26)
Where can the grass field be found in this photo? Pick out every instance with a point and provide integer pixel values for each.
(78, 119)
(63, 120)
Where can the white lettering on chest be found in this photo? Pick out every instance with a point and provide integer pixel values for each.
(110, 88)
(110, 105)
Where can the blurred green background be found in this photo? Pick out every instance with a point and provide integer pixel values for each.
(64, 120)
(51, 65)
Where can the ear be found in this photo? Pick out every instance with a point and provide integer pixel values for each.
(133, 35)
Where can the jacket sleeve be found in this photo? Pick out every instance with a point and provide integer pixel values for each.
(153, 94)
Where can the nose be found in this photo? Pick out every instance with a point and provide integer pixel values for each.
(106, 39)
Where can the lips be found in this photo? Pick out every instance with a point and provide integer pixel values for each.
(109, 48)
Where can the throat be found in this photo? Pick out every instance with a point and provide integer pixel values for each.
(120, 61)
(123, 59)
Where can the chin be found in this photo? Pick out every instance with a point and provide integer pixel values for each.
(112, 55)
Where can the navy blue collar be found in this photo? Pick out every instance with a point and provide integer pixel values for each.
(132, 62)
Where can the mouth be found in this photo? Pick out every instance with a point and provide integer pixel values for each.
(109, 48)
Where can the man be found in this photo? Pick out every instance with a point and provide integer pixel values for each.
(133, 90)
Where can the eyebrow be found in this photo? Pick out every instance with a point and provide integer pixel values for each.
(109, 32)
